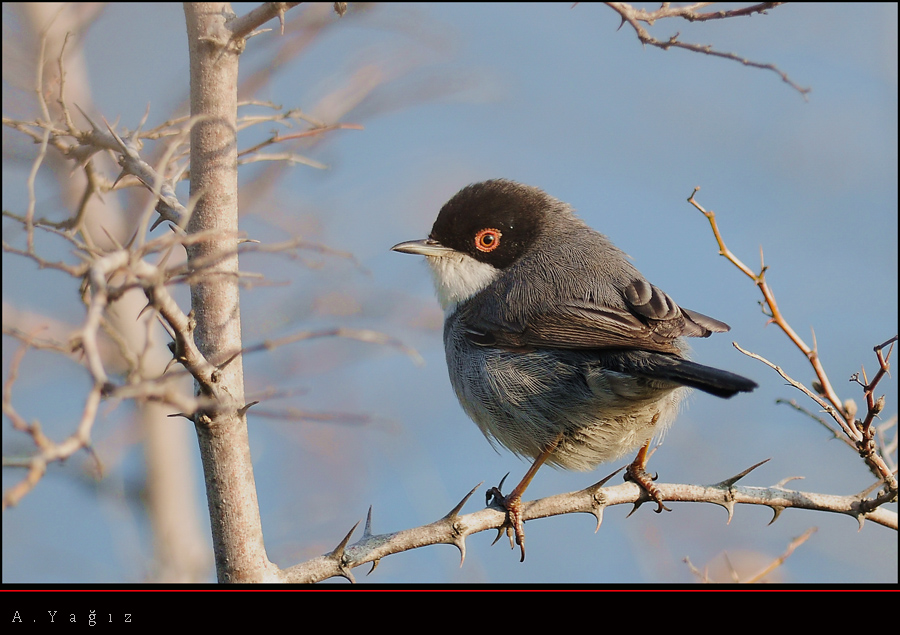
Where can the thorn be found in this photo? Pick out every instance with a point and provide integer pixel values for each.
(729, 506)
(598, 512)
(599, 484)
(453, 513)
(122, 147)
(141, 312)
(89, 120)
(339, 550)
(728, 482)
(112, 238)
(243, 411)
(168, 330)
(460, 543)
(228, 361)
(338, 555)
(459, 532)
(508, 533)
(777, 511)
(143, 120)
(367, 532)
(861, 519)
(122, 174)
(131, 240)
(598, 498)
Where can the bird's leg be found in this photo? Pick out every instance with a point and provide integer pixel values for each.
(512, 502)
(637, 473)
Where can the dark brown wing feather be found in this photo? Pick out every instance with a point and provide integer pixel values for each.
(649, 320)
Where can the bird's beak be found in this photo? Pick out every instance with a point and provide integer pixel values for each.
(425, 247)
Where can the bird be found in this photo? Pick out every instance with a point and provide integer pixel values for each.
(557, 347)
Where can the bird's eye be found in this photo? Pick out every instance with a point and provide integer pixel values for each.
(487, 239)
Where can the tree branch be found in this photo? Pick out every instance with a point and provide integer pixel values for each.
(633, 16)
(453, 529)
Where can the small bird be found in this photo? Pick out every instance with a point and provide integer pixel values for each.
(557, 347)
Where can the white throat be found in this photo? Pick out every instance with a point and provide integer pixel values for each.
(457, 277)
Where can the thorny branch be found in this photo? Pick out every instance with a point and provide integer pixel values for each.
(865, 437)
(106, 275)
(690, 13)
(453, 529)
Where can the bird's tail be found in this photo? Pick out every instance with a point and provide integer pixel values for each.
(714, 381)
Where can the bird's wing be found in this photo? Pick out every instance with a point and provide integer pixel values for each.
(647, 319)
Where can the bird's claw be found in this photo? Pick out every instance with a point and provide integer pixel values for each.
(514, 525)
(494, 495)
(638, 475)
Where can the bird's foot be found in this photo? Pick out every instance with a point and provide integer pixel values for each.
(514, 525)
(636, 473)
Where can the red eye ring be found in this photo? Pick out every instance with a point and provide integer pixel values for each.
(487, 239)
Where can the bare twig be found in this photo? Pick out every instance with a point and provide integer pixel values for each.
(775, 314)
(837, 416)
(48, 451)
(796, 542)
(861, 434)
(703, 576)
(634, 16)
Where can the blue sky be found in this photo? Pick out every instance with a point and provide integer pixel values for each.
(552, 96)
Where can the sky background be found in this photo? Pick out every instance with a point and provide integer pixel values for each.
(556, 97)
